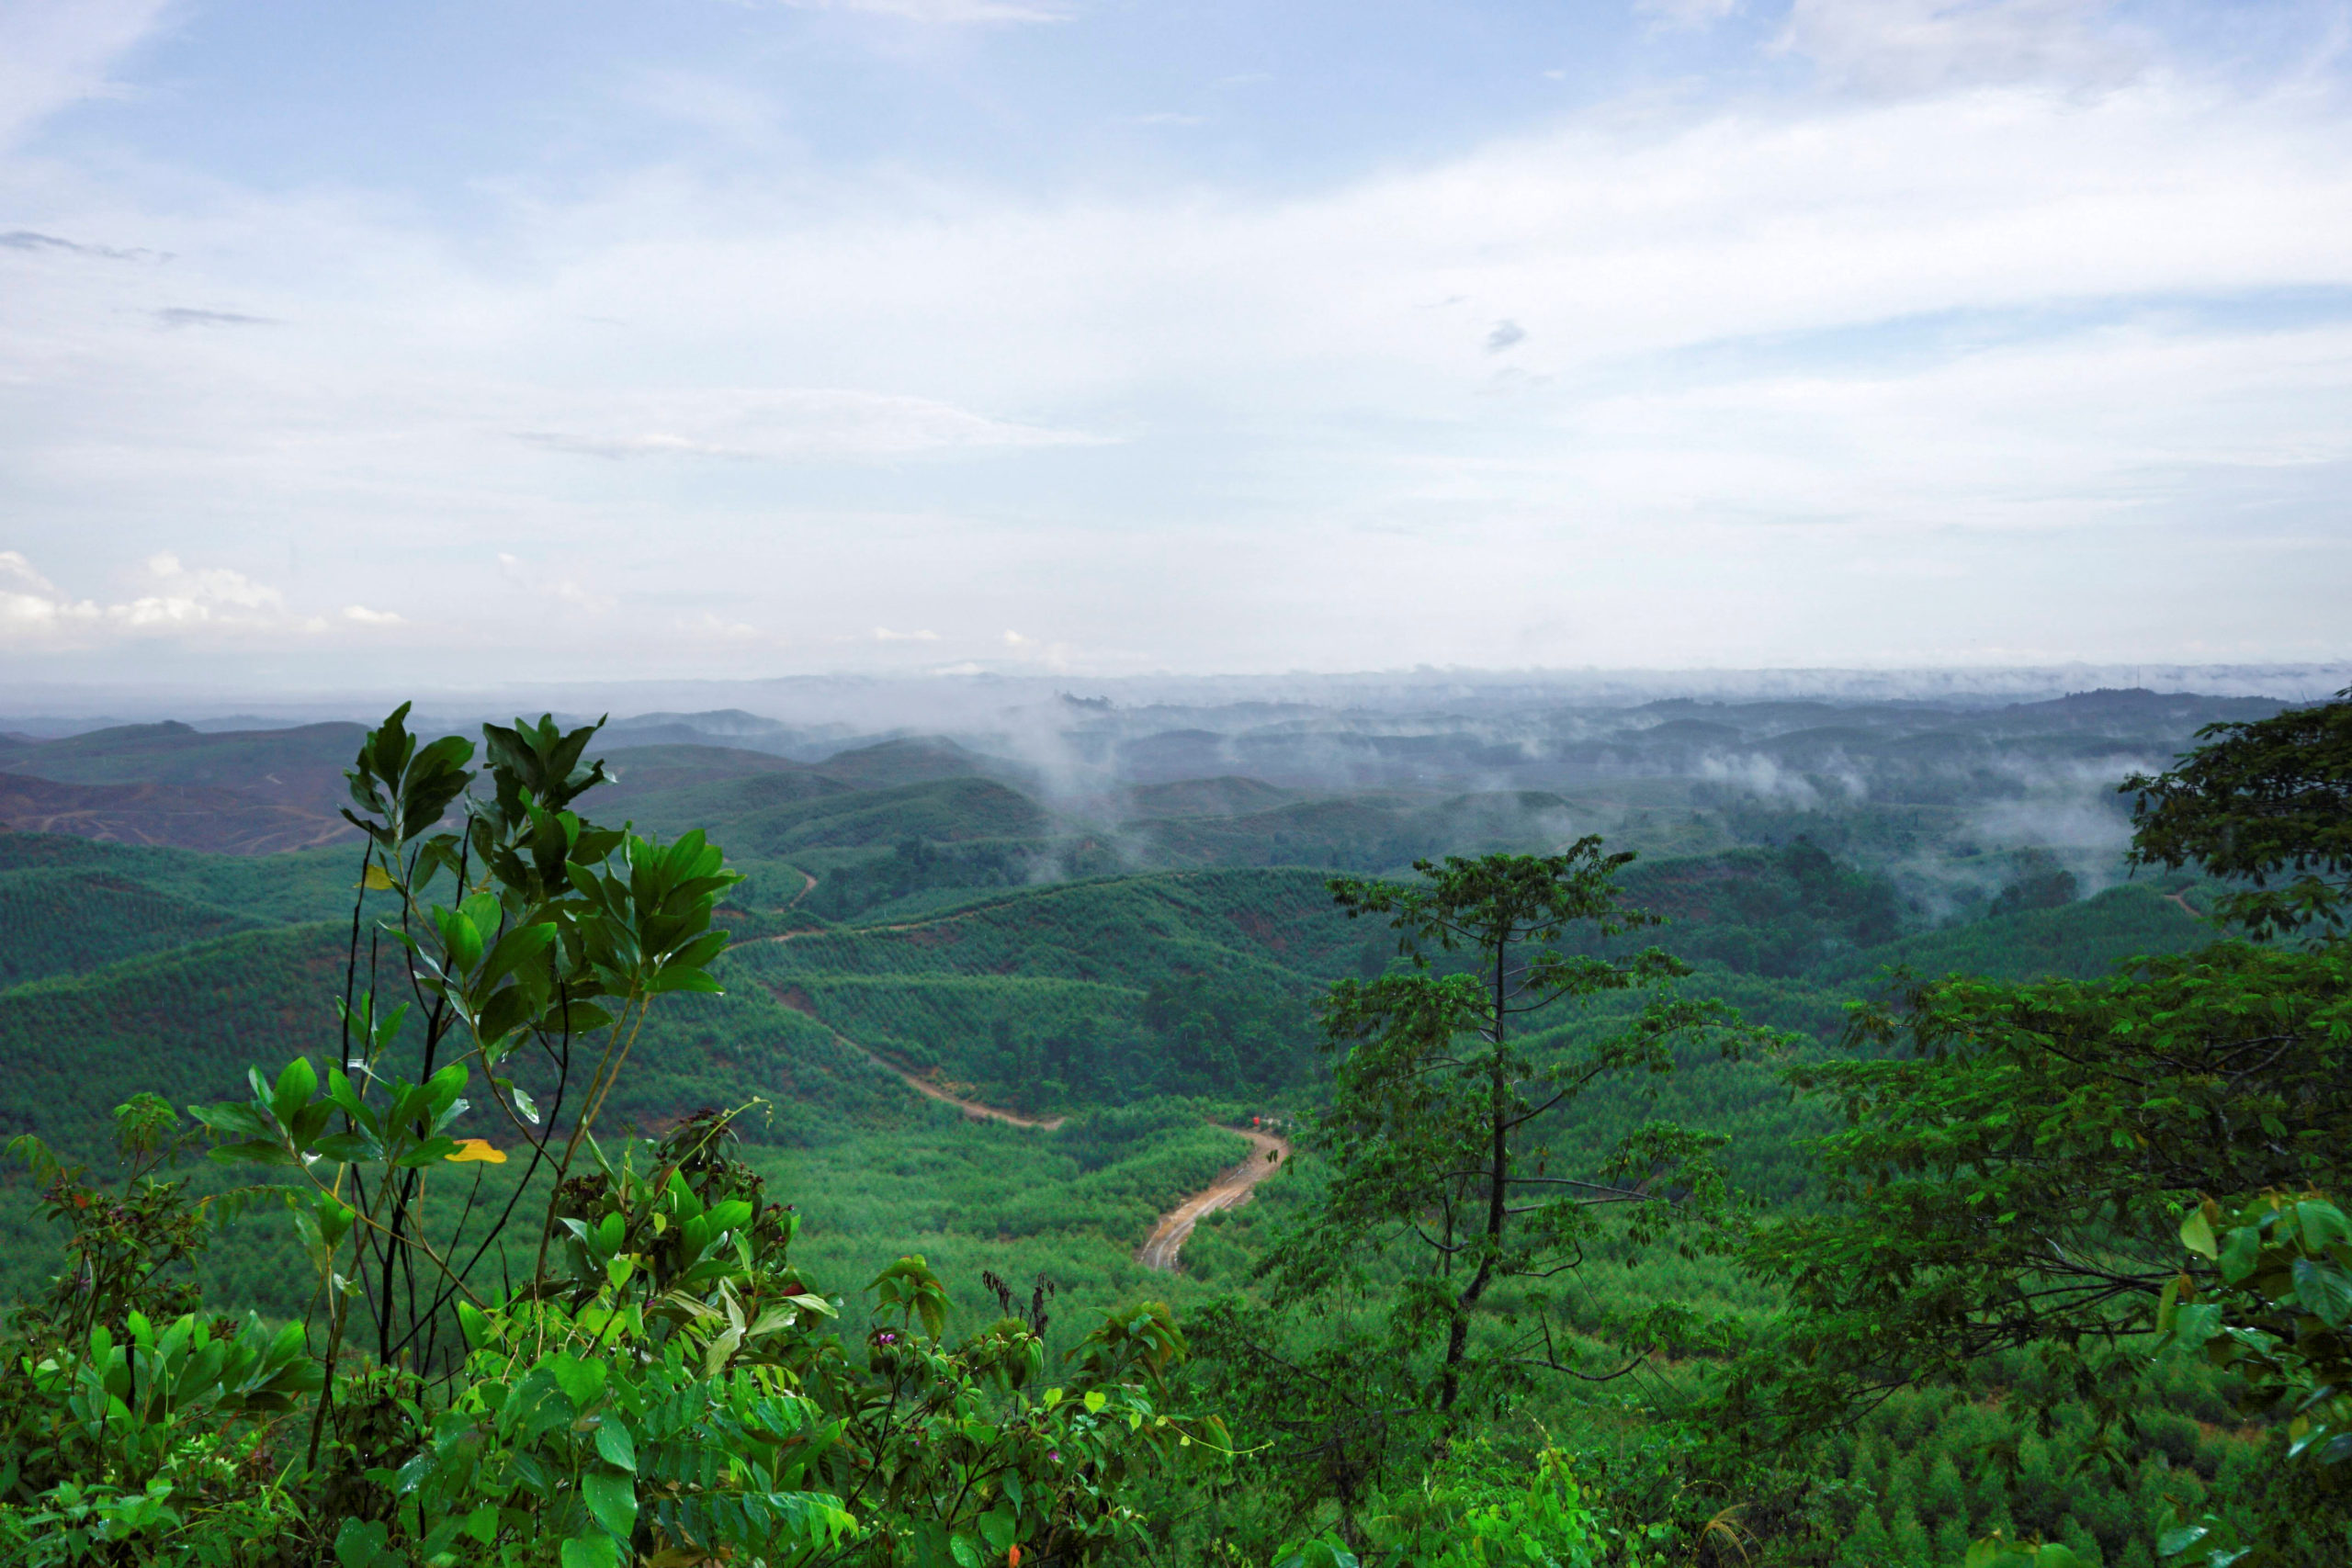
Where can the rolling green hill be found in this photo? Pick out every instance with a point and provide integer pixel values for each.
(62, 921)
(302, 765)
(2080, 941)
(945, 811)
(914, 760)
(670, 789)
(313, 884)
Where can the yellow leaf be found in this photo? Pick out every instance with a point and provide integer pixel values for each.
(378, 879)
(476, 1150)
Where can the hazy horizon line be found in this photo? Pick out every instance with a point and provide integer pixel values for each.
(888, 697)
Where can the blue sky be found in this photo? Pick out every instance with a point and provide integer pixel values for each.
(360, 345)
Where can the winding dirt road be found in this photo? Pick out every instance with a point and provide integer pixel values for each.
(1228, 1191)
(1161, 1248)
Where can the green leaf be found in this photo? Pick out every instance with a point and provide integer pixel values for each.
(2324, 1289)
(427, 1152)
(611, 1496)
(516, 948)
(335, 1218)
(481, 908)
(591, 1551)
(348, 1148)
(2241, 1253)
(579, 1018)
(505, 1012)
(295, 1086)
(460, 937)
(475, 1326)
(965, 1551)
(580, 1380)
(2323, 1224)
(441, 1090)
(614, 1444)
(237, 1121)
(997, 1527)
(346, 1098)
(676, 979)
(359, 1543)
(2197, 1234)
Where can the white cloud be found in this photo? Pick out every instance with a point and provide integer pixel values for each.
(708, 625)
(34, 607)
(1762, 341)
(179, 600)
(56, 52)
(1030, 650)
(566, 589)
(1911, 46)
(785, 425)
(205, 597)
(360, 615)
(13, 564)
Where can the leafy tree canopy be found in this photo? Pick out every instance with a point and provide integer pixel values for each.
(2013, 1161)
(2267, 802)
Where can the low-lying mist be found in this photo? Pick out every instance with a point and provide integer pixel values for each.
(1964, 789)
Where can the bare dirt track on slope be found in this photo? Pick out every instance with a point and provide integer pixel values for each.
(855, 930)
(797, 1001)
(971, 1108)
(1231, 1191)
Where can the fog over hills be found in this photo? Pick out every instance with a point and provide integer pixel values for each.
(885, 790)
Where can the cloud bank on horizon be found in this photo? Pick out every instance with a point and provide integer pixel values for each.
(348, 345)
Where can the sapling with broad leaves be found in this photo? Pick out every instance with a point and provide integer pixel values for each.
(534, 944)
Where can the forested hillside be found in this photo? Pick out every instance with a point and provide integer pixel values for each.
(1119, 967)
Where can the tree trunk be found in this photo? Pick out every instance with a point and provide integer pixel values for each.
(1457, 1338)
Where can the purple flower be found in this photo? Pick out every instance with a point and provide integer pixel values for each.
(1054, 1454)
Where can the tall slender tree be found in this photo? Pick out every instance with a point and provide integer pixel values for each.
(1456, 1074)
